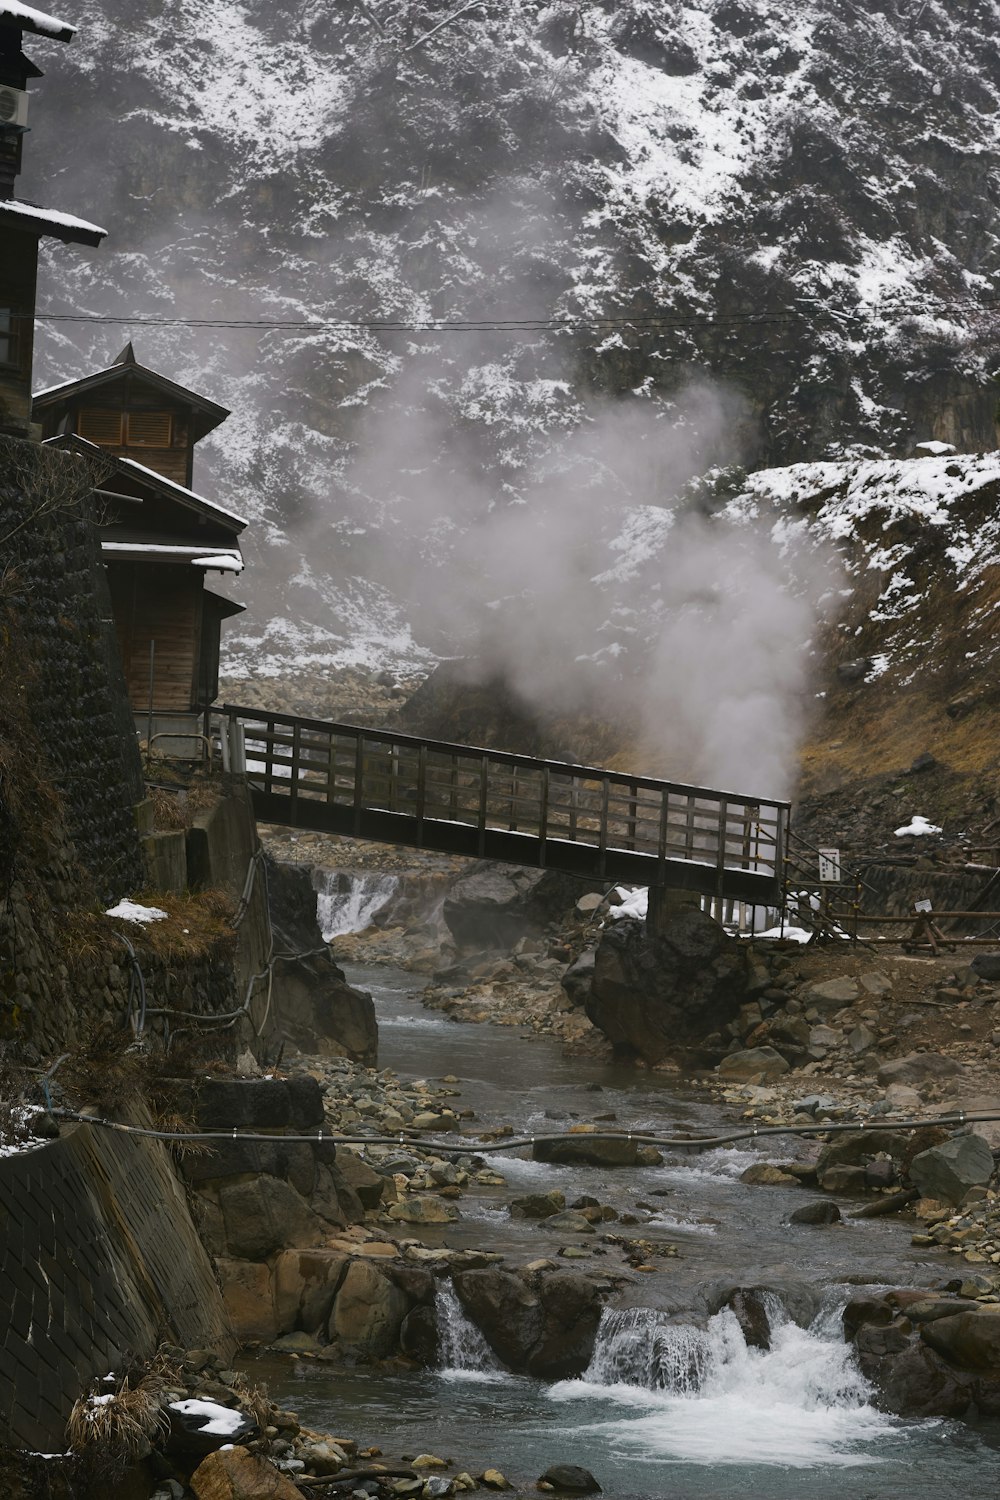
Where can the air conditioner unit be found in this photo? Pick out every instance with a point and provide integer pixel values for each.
(13, 107)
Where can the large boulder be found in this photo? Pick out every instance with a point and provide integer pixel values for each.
(305, 1284)
(264, 1214)
(970, 1340)
(948, 1171)
(752, 1065)
(546, 1329)
(653, 994)
(316, 1008)
(368, 1311)
(918, 1067)
(585, 1149)
(495, 905)
(504, 1309)
(236, 1474)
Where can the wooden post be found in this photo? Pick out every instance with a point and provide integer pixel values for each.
(421, 791)
(359, 777)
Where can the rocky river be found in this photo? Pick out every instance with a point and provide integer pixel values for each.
(687, 1390)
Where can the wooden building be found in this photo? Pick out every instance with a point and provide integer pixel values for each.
(160, 539)
(23, 225)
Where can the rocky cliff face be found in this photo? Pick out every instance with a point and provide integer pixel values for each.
(785, 212)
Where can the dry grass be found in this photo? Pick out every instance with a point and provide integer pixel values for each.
(104, 1072)
(111, 1431)
(198, 925)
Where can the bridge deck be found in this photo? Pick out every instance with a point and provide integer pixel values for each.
(457, 799)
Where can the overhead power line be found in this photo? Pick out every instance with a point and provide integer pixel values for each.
(635, 322)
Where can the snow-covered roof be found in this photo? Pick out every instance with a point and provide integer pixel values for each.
(223, 562)
(49, 221)
(27, 18)
(208, 508)
(180, 491)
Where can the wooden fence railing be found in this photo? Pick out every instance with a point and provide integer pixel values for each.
(400, 789)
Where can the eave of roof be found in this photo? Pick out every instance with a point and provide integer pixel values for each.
(156, 481)
(212, 413)
(27, 18)
(223, 560)
(50, 222)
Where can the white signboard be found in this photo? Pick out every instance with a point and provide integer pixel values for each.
(923, 906)
(829, 866)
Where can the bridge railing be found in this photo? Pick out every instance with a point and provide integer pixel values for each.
(378, 784)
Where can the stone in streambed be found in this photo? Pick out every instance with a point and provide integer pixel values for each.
(236, 1474)
(422, 1211)
(538, 1205)
(570, 1479)
(948, 1171)
(766, 1174)
(753, 1065)
(823, 1212)
(582, 1148)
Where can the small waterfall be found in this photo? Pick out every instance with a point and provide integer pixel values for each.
(807, 1367)
(701, 1395)
(347, 903)
(461, 1347)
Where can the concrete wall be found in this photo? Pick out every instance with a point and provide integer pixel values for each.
(98, 1259)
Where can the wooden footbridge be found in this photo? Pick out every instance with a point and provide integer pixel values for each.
(456, 799)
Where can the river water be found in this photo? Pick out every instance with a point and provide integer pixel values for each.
(674, 1404)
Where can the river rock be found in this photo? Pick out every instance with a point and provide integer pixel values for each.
(246, 1291)
(427, 1210)
(569, 1222)
(587, 1150)
(507, 1313)
(263, 1215)
(236, 1474)
(918, 1067)
(822, 1212)
(832, 994)
(570, 1479)
(653, 993)
(358, 1175)
(367, 1312)
(305, 1283)
(969, 1340)
(749, 1307)
(986, 965)
(418, 1336)
(766, 1174)
(948, 1171)
(572, 1308)
(538, 1205)
(579, 977)
(754, 1065)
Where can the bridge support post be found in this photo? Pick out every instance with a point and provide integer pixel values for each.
(665, 902)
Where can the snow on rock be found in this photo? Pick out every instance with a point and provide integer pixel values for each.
(219, 1421)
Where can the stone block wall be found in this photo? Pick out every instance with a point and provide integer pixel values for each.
(65, 662)
(99, 1260)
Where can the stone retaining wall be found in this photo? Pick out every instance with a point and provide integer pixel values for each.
(99, 1259)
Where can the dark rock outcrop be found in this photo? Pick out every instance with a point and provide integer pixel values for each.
(495, 905)
(316, 1008)
(926, 1354)
(654, 995)
(546, 1329)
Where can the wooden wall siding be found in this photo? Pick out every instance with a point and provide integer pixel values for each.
(158, 603)
(18, 275)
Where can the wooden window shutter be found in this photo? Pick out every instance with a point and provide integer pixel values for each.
(148, 429)
(101, 426)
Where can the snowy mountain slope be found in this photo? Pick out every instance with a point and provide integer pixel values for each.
(806, 191)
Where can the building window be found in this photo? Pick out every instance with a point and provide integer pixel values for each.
(125, 429)
(8, 337)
